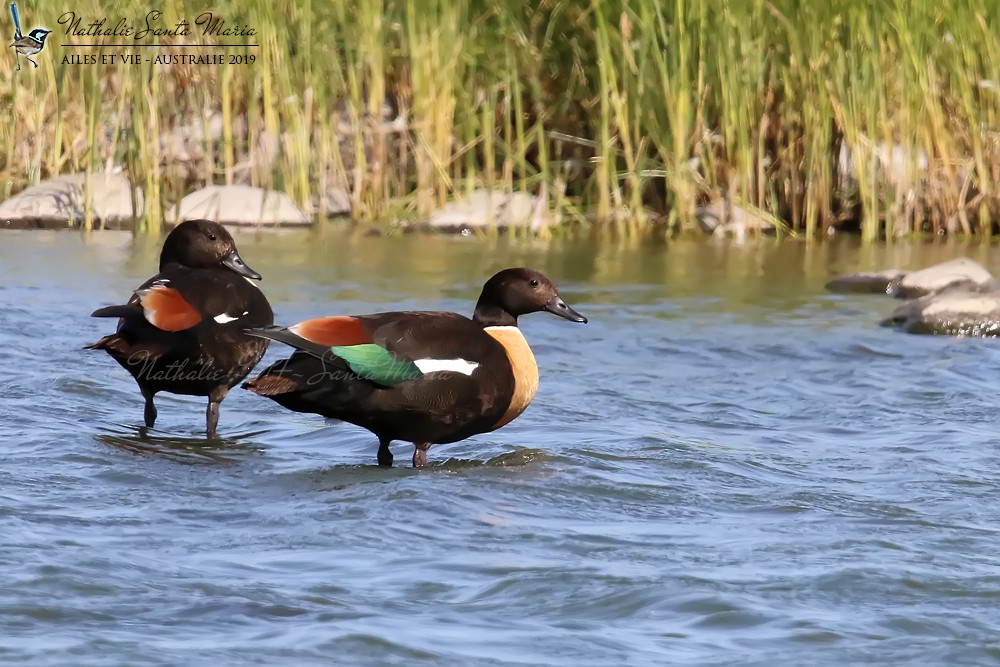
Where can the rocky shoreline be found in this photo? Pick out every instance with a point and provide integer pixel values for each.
(110, 201)
(955, 298)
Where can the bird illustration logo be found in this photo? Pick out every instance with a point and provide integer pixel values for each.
(26, 45)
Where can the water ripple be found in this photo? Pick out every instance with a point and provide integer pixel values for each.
(716, 470)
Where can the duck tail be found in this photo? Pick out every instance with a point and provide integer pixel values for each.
(112, 343)
(284, 335)
(285, 377)
(306, 384)
(118, 311)
(118, 346)
(271, 384)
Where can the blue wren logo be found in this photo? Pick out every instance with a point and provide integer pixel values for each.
(26, 45)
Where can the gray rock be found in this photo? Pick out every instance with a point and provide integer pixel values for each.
(721, 219)
(239, 206)
(960, 271)
(954, 311)
(61, 202)
(879, 282)
(332, 202)
(485, 209)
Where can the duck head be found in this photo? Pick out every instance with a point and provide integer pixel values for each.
(515, 292)
(202, 244)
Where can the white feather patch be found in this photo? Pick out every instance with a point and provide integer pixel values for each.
(454, 365)
(223, 318)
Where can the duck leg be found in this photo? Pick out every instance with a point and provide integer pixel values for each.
(149, 412)
(420, 454)
(215, 398)
(384, 454)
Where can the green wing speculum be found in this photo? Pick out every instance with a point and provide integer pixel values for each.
(376, 364)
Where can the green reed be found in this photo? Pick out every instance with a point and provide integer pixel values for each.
(625, 114)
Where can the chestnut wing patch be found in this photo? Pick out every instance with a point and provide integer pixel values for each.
(166, 309)
(333, 331)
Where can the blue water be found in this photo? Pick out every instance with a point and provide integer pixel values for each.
(727, 466)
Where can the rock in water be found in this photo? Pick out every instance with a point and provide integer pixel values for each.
(955, 311)
(879, 282)
(960, 271)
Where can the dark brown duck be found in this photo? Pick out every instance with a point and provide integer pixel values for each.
(183, 329)
(423, 377)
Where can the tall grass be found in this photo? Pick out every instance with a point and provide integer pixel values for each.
(877, 116)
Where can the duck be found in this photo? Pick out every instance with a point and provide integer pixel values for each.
(182, 331)
(424, 377)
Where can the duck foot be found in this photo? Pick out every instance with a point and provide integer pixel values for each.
(420, 454)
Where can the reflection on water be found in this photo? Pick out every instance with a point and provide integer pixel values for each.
(726, 466)
(187, 450)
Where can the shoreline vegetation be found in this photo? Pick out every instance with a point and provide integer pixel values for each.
(846, 115)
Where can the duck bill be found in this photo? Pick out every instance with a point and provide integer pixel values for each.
(234, 262)
(557, 306)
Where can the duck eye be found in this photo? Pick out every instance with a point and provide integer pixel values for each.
(533, 283)
(212, 237)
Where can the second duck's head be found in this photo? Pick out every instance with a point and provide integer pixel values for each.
(202, 244)
(515, 292)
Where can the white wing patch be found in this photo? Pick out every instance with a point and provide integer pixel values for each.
(223, 318)
(454, 365)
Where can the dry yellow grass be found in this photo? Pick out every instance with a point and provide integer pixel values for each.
(609, 106)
